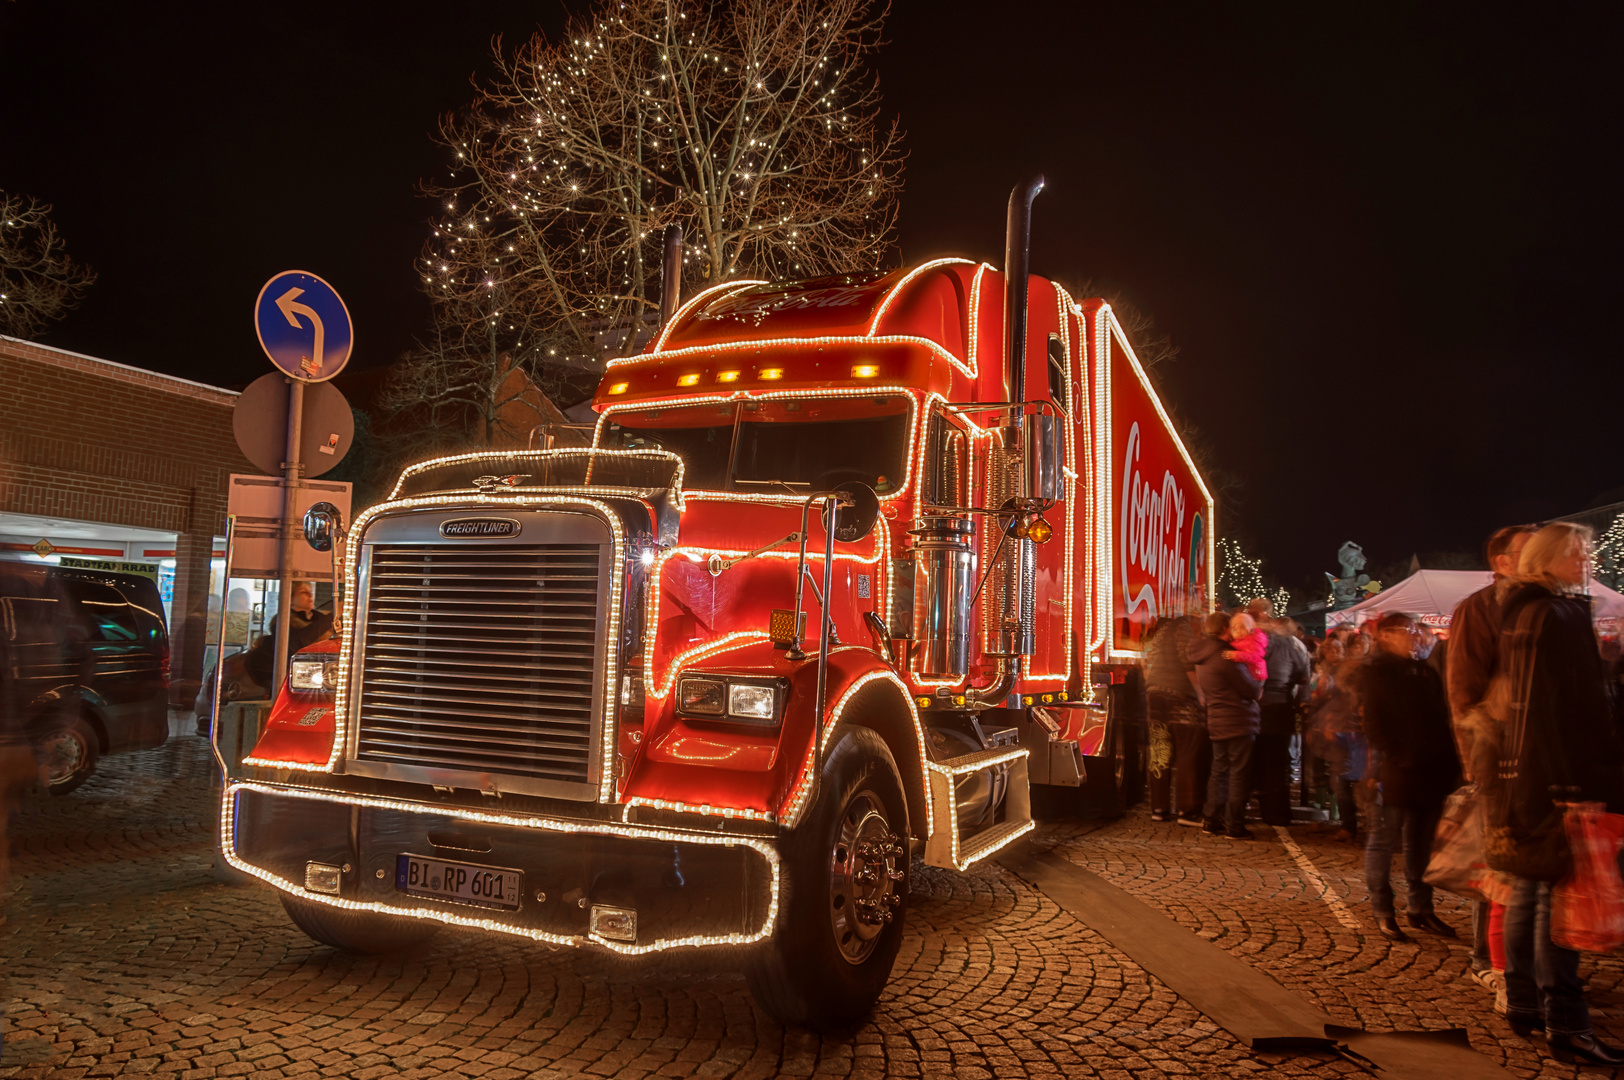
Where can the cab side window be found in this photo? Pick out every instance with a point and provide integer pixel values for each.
(948, 454)
(1057, 373)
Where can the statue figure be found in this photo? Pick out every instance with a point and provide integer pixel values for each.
(1346, 590)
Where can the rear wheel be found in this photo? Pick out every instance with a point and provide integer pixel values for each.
(357, 931)
(845, 892)
(66, 749)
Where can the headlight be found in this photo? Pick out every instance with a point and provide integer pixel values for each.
(751, 702)
(702, 696)
(746, 700)
(312, 675)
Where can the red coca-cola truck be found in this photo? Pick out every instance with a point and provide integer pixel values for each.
(843, 579)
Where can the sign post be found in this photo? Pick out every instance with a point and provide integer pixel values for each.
(304, 328)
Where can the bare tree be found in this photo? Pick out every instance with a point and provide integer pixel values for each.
(39, 284)
(751, 124)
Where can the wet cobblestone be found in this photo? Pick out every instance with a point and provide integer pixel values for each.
(122, 956)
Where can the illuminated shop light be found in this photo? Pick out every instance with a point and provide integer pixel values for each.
(543, 824)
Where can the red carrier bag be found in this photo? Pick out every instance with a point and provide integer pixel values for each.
(1587, 906)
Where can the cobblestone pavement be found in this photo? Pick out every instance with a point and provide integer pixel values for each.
(123, 956)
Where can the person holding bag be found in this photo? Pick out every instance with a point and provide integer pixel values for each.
(1558, 745)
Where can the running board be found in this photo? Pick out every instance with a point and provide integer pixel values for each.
(945, 847)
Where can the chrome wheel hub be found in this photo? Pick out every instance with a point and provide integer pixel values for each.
(866, 870)
(61, 754)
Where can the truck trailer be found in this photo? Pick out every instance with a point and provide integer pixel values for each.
(842, 582)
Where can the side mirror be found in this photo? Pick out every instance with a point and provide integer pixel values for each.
(322, 525)
(856, 521)
(1044, 457)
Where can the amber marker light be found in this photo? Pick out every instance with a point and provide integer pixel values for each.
(864, 371)
(691, 379)
(771, 374)
(619, 388)
(727, 376)
(1039, 531)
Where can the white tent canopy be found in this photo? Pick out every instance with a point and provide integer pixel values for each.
(1433, 595)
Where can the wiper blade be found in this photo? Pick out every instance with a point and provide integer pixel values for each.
(787, 485)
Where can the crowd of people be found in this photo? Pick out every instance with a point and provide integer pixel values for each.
(1382, 723)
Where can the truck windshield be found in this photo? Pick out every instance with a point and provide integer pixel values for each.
(777, 447)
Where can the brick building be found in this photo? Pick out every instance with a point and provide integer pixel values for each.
(100, 460)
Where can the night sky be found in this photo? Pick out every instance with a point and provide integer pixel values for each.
(1386, 239)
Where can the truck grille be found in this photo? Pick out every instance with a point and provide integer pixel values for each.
(481, 659)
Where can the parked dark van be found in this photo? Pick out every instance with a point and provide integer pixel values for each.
(84, 666)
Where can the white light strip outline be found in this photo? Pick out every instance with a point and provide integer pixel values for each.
(702, 296)
(965, 864)
(896, 289)
(1109, 331)
(973, 323)
(562, 451)
(1068, 474)
(704, 651)
(1013, 754)
(341, 705)
(801, 394)
(795, 805)
(564, 826)
(701, 808)
(821, 341)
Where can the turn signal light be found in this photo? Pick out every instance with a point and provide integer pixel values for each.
(1039, 531)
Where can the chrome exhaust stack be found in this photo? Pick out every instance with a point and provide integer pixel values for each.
(671, 274)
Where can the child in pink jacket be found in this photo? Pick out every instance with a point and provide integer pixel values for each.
(1248, 645)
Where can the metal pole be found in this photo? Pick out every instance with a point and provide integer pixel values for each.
(290, 509)
(831, 509)
(220, 649)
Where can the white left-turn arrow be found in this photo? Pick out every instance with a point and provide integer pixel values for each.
(291, 310)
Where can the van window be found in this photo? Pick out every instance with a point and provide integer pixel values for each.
(108, 615)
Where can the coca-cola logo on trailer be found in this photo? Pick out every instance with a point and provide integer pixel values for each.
(1159, 566)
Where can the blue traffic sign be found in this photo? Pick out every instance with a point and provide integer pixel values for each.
(303, 326)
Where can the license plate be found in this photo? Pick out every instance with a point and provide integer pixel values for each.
(463, 883)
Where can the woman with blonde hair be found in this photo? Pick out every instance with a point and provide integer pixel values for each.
(1558, 745)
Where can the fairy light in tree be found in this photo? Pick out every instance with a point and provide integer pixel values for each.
(1607, 561)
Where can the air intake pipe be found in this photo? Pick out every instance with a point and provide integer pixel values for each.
(1017, 267)
(671, 274)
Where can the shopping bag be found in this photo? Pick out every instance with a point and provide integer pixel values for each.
(1457, 862)
(1587, 906)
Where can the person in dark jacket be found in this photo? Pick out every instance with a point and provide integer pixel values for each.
(1558, 744)
(1177, 751)
(1414, 768)
(1284, 691)
(1232, 693)
(1474, 650)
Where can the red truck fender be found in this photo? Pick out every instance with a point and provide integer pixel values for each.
(864, 690)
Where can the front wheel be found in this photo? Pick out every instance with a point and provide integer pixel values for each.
(357, 931)
(845, 892)
(66, 750)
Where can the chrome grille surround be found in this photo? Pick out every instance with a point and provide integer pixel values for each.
(479, 663)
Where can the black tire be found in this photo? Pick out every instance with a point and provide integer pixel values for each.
(67, 750)
(827, 961)
(357, 931)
